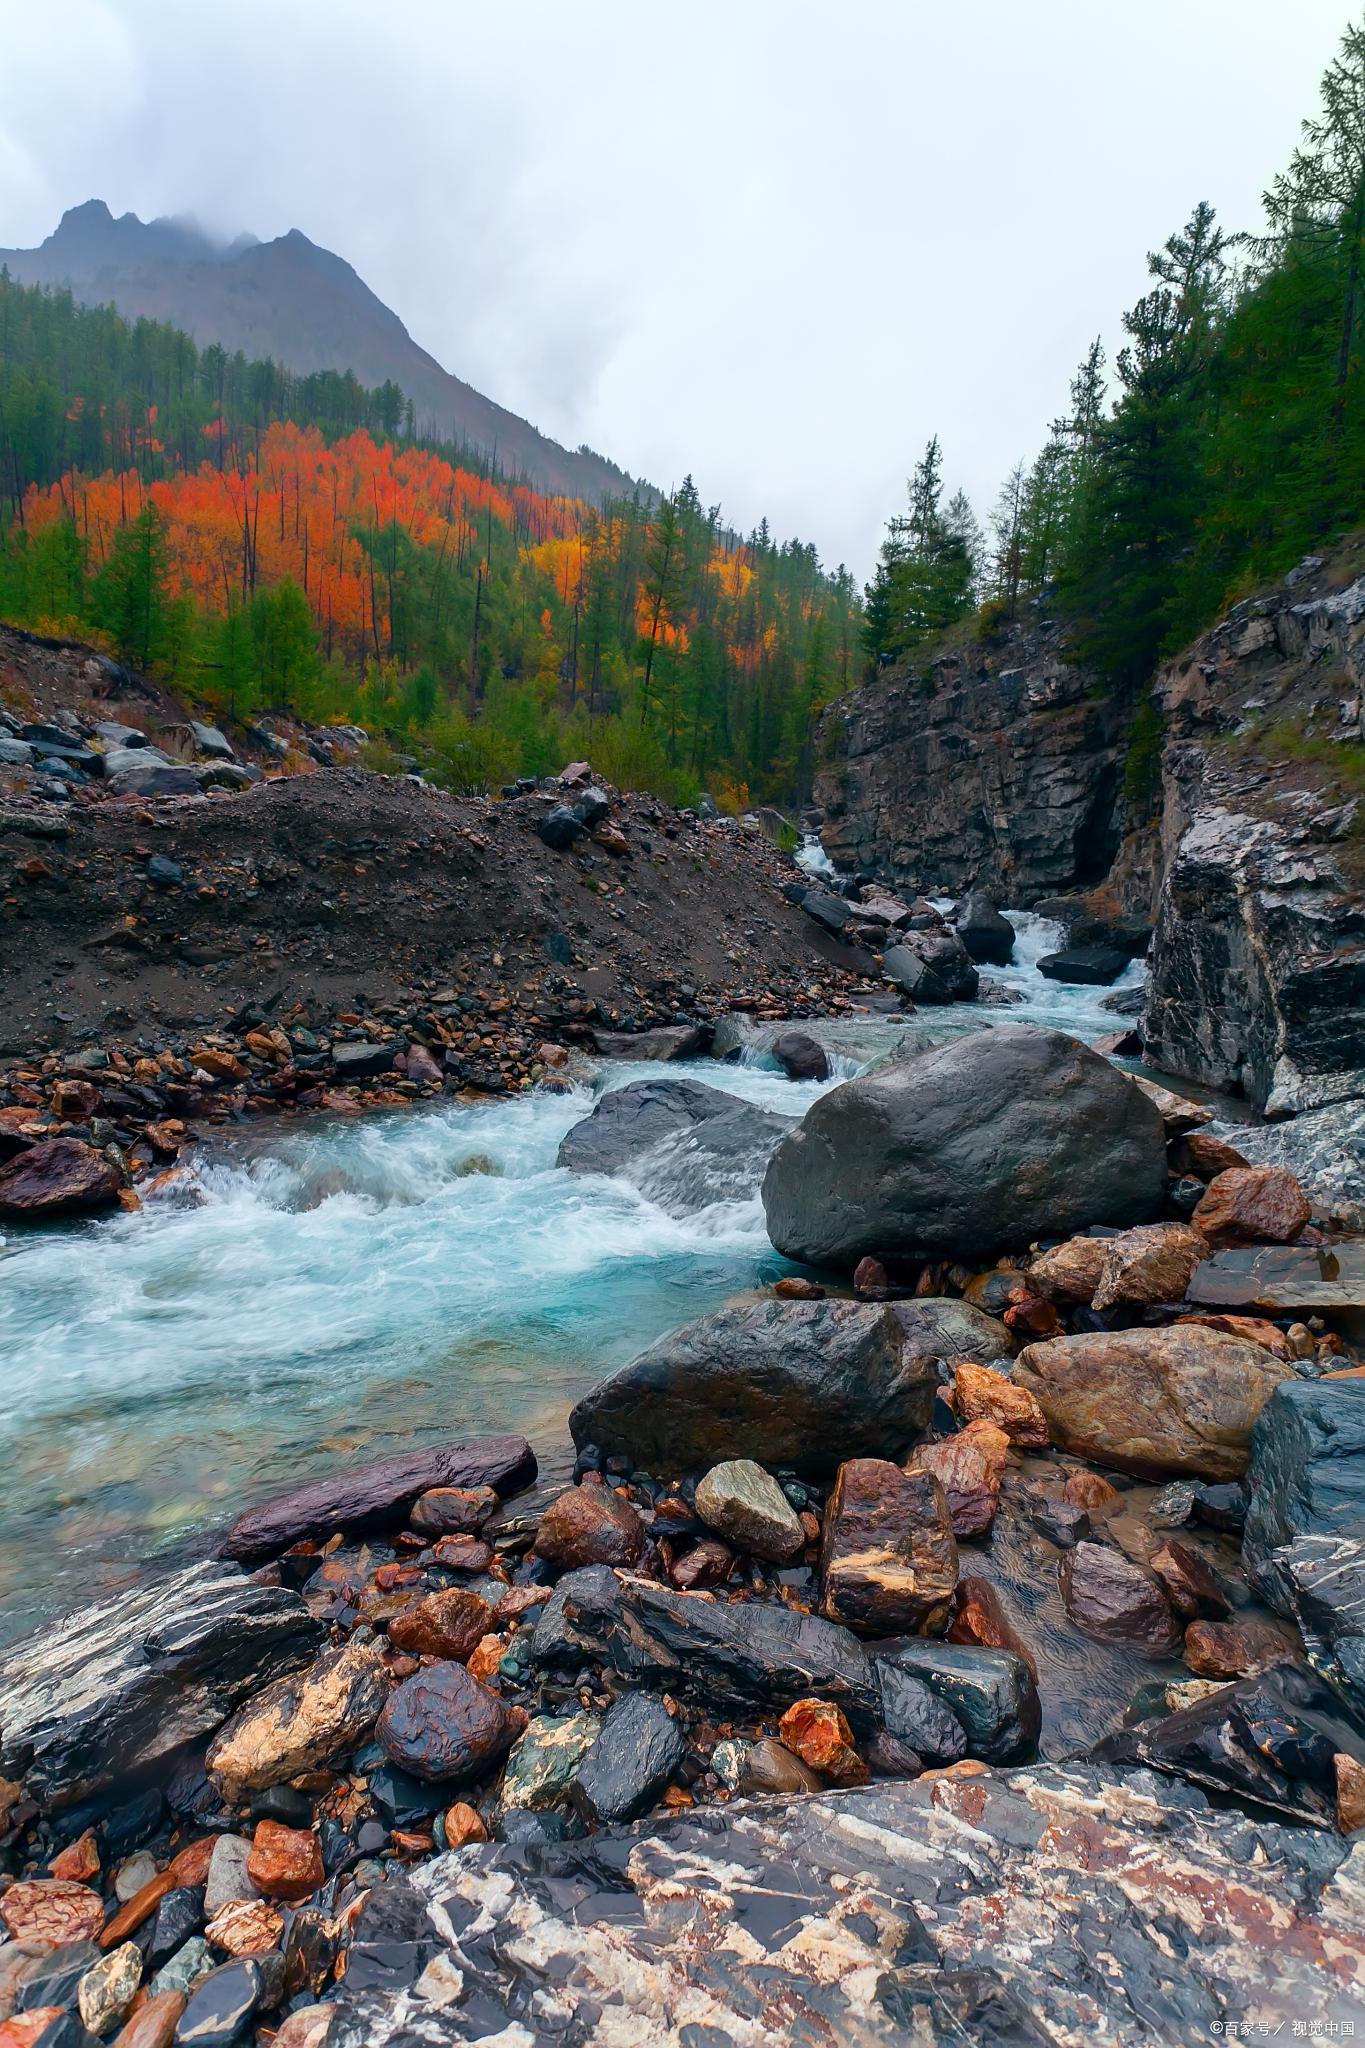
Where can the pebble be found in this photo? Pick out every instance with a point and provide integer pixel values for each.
(133, 1875)
(228, 1876)
(285, 1863)
(220, 2005)
(154, 2023)
(51, 1909)
(818, 1733)
(108, 1989)
(185, 1967)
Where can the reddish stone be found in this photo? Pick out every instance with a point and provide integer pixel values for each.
(516, 1600)
(77, 1100)
(1253, 1329)
(1350, 1777)
(1031, 1315)
(1070, 1271)
(707, 1563)
(190, 1866)
(487, 1654)
(794, 1288)
(1154, 1262)
(1116, 1601)
(246, 1927)
(1205, 1156)
(888, 1561)
(51, 1909)
(285, 1863)
(979, 1617)
(1089, 1491)
(969, 1467)
(817, 1732)
(56, 1177)
(1232, 1649)
(422, 1068)
(390, 1578)
(153, 2024)
(1253, 1205)
(1191, 1585)
(590, 1524)
(463, 1824)
(444, 1625)
(443, 1723)
(982, 1395)
(79, 1861)
(869, 1277)
(27, 2027)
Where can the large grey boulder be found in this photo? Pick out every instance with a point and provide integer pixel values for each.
(684, 1145)
(1016, 1907)
(932, 967)
(971, 1148)
(806, 1383)
(987, 936)
(108, 1696)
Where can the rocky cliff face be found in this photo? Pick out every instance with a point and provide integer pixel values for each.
(996, 762)
(1257, 973)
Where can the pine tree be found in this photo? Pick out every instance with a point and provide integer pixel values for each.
(130, 601)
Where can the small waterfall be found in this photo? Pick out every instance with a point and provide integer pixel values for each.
(811, 856)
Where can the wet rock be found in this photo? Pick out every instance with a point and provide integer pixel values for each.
(449, 1624)
(1253, 1329)
(179, 1915)
(991, 1694)
(185, 1969)
(228, 1877)
(799, 1383)
(51, 1909)
(980, 1395)
(154, 2023)
(307, 2027)
(370, 1496)
(108, 1989)
(1205, 1155)
(1063, 1522)
(463, 1824)
(590, 1524)
(980, 1618)
(1229, 1649)
(1091, 1491)
(665, 1042)
(453, 1510)
(285, 1863)
(544, 1761)
(681, 1143)
(770, 1767)
(1350, 1777)
(1191, 1585)
(801, 1057)
(742, 1503)
(302, 1722)
(462, 1554)
(57, 1177)
(80, 1861)
(638, 1749)
(914, 1713)
(1090, 966)
(442, 1724)
(969, 1467)
(743, 1654)
(1116, 1601)
(888, 1559)
(987, 936)
(51, 1977)
(932, 966)
(706, 1563)
(1269, 1281)
(819, 1734)
(1303, 1546)
(940, 1326)
(870, 1280)
(1153, 1262)
(908, 1155)
(114, 1689)
(793, 1288)
(1152, 1402)
(220, 2005)
(1253, 1205)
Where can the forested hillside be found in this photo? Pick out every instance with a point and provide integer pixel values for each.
(266, 541)
(1231, 442)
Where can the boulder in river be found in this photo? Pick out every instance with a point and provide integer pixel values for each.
(1303, 1545)
(746, 1653)
(801, 1057)
(1025, 1878)
(664, 1042)
(888, 1559)
(683, 1144)
(57, 1177)
(302, 1722)
(1090, 966)
(112, 1693)
(369, 1496)
(980, 1145)
(932, 967)
(804, 1383)
(987, 936)
(1155, 1403)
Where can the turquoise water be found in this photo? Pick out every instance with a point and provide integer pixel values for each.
(352, 1287)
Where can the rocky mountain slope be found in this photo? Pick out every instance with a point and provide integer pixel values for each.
(995, 761)
(301, 305)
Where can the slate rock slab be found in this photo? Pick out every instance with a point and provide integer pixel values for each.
(107, 1695)
(368, 1496)
(1072, 1906)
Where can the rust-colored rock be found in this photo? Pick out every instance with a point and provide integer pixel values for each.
(1203, 1155)
(51, 1909)
(285, 1863)
(484, 1659)
(58, 1177)
(449, 1624)
(1182, 1400)
(1116, 1601)
(1253, 1205)
(245, 1927)
(817, 1732)
(590, 1524)
(1070, 1271)
(1251, 1329)
(1191, 1584)
(300, 1722)
(154, 2022)
(969, 1467)
(25, 2028)
(79, 1861)
(980, 1395)
(870, 1280)
(463, 1824)
(979, 1617)
(707, 1563)
(1232, 1649)
(190, 1865)
(463, 1553)
(1350, 1777)
(139, 1908)
(306, 2028)
(442, 1723)
(1153, 1262)
(888, 1559)
(792, 1287)
(1091, 1491)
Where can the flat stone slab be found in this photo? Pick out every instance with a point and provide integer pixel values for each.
(368, 1496)
(1275, 1279)
(1072, 1906)
(103, 1698)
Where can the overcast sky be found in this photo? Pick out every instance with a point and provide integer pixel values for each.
(775, 242)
